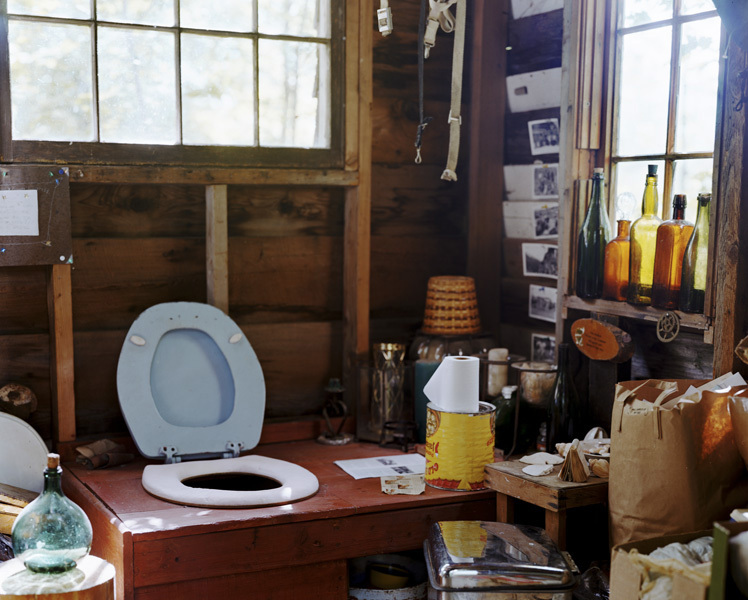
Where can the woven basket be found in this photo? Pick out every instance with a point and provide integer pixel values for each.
(451, 306)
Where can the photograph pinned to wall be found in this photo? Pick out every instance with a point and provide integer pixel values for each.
(545, 181)
(540, 260)
(546, 221)
(543, 303)
(544, 136)
(543, 348)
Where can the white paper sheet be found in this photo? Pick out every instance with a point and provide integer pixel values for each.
(19, 212)
(384, 466)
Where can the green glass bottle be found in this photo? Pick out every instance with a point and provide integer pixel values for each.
(643, 243)
(593, 237)
(693, 274)
(564, 419)
(52, 532)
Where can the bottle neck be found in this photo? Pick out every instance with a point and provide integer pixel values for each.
(679, 212)
(563, 358)
(623, 228)
(53, 480)
(702, 216)
(650, 201)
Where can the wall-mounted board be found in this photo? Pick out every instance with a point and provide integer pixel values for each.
(35, 216)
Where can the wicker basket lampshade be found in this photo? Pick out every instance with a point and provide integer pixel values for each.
(451, 306)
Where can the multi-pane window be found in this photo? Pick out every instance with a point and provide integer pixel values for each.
(665, 100)
(240, 73)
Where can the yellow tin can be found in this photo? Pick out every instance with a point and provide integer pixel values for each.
(458, 447)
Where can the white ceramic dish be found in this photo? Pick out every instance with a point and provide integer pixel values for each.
(24, 454)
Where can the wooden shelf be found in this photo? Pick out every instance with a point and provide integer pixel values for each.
(644, 313)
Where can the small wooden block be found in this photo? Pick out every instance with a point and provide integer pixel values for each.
(602, 341)
(10, 494)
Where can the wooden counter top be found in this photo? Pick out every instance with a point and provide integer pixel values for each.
(154, 543)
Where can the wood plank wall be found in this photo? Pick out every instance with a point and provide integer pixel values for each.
(139, 245)
(534, 44)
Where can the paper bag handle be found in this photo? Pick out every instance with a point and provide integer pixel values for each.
(617, 417)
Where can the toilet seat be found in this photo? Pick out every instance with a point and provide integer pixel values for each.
(190, 387)
(166, 482)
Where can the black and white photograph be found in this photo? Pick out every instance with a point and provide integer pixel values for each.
(543, 303)
(540, 260)
(544, 136)
(546, 221)
(545, 181)
(543, 348)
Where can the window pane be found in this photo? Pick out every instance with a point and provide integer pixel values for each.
(692, 177)
(294, 94)
(217, 91)
(644, 92)
(630, 179)
(691, 7)
(697, 96)
(71, 9)
(309, 18)
(228, 15)
(137, 86)
(142, 12)
(638, 12)
(51, 82)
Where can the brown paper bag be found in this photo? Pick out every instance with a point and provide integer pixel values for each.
(674, 467)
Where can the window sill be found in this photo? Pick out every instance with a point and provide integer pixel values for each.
(643, 313)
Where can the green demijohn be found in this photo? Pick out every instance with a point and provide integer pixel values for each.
(52, 532)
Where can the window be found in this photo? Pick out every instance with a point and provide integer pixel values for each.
(236, 81)
(665, 99)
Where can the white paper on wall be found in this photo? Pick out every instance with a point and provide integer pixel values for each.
(19, 212)
(527, 8)
(531, 182)
(534, 90)
(530, 220)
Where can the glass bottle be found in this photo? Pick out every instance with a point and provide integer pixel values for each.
(693, 276)
(51, 533)
(643, 241)
(616, 276)
(672, 238)
(593, 237)
(564, 415)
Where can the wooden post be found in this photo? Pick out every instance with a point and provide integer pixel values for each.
(216, 246)
(486, 176)
(60, 309)
(357, 234)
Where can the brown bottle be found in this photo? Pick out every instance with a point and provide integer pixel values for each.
(672, 238)
(616, 276)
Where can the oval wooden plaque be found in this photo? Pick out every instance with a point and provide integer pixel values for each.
(602, 341)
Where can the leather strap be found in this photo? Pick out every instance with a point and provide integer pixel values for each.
(455, 118)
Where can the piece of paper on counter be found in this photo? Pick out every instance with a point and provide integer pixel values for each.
(384, 466)
(412, 485)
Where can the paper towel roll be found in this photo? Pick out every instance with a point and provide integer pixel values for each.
(454, 387)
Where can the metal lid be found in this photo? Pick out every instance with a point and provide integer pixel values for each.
(482, 556)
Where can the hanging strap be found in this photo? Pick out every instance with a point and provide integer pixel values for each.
(422, 121)
(455, 119)
(439, 15)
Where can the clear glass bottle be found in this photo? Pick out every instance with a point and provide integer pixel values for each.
(693, 276)
(672, 238)
(643, 241)
(616, 277)
(564, 418)
(593, 237)
(52, 532)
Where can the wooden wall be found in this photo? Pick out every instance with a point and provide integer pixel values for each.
(139, 245)
(534, 44)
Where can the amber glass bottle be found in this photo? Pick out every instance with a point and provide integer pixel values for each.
(616, 278)
(672, 238)
(593, 237)
(693, 276)
(643, 238)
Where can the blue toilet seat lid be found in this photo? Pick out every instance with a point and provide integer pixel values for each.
(189, 383)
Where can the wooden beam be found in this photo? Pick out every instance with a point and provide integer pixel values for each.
(357, 235)
(60, 308)
(6, 130)
(157, 174)
(352, 27)
(732, 235)
(217, 246)
(486, 176)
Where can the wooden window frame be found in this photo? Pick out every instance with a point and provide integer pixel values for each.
(238, 157)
